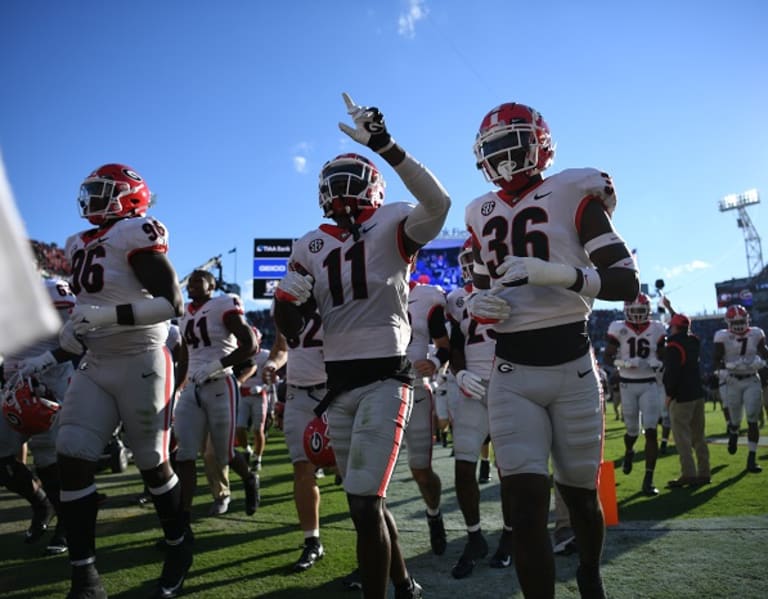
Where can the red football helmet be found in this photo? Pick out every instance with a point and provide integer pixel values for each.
(29, 407)
(349, 183)
(513, 144)
(638, 311)
(466, 261)
(113, 191)
(317, 445)
(737, 318)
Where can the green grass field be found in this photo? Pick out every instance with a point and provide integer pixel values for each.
(704, 542)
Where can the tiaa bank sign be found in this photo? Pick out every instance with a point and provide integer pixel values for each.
(270, 263)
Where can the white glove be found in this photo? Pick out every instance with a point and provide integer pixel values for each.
(514, 271)
(470, 384)
(69, 341)
(758, 363)
(655, 364)
(294, 288)
(486, 306)
(369, 129)
(636, 362)
(206, 371)
(86, 318)
(731, 365)
(36, 364)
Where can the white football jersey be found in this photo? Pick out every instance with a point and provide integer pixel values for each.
(306, 361)
(63, 300)
(423, 300)
(479, 342)
(102, 276)
(637, 342)
(203, 328)
(544, 223)
(740, 350)
(361, 287)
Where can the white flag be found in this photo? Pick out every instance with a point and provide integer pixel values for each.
(26, 312)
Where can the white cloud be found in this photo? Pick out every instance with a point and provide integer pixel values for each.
(675, 271)
(406, 23)
(300, 164)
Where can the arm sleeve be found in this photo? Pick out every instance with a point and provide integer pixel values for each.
(426, 220)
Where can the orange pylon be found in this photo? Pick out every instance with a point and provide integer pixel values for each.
(606, 490)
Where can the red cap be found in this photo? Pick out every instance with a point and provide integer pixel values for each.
(681, 321)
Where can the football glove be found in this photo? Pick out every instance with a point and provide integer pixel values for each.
(470, 384)
(69, 341)
(294, 288)
(86, 318)
(36, 364)
(514, 271)
(206, 371)
(486, 307)
(369, 129)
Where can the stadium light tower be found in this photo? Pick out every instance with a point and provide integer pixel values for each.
(752, 243)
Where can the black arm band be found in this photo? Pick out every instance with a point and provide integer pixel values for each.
(125, 314)
(442, 354)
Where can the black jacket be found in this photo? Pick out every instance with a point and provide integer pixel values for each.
(682, 380)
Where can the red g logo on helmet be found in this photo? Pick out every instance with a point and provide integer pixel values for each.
(317, 445)
(737, 319)
(638, 311)
(113, 191)
(29, 407)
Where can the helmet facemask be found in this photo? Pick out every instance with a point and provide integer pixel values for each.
(467, 263)
(348, 184)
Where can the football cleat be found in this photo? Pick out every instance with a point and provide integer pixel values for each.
(626, 467)
(58, 542)
(503, 556)
(313, 551)
(733, 442)
(475, 550)
(752, 465)
(485, 472)
(437, 536)
(42, 514)
(564, 541)
(178, 560)
(412, 591)
(86, 584)
(252, 494)
(219, 506)
(352, 581)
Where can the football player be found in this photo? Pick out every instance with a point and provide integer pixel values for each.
(254, 406)
(426, 315)
(217, 338)
(50, 367)
(127, 290)
(472, 344)
(544, 248)
(305, 388)
(636, 347)
(355, 272)
(740, 351)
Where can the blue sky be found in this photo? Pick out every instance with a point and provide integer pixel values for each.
(229, 109)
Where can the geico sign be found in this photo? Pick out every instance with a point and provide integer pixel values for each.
(271, 268)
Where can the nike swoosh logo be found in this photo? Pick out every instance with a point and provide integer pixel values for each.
(506, 561)
(543, 195)
(219, 394)
(366, 229)
(147, 375)
(419, 400)
(583, 374)
(412, 301)
(102, 239)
